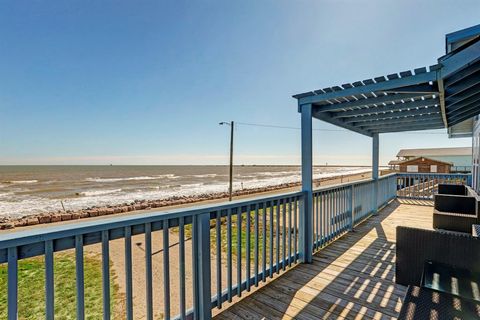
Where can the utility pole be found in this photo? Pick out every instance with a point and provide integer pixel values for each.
(230, 186)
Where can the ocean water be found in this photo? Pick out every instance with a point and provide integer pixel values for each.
(26, 190)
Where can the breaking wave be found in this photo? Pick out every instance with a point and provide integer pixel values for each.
(163, 176)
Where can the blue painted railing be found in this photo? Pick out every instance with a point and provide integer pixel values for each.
(332, 207)
(234, 246)
(422, 186)
(242, 242)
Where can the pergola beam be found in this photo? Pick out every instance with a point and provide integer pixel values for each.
(471, 112)
(421, 88)
(372, 87)
(401, 125)
(452, 100)
(364, 102)
(472, 99)
(393, 114)
(387, 108)
(415, 127)
(461, 75)
(393, 121)
(340, 123)
(460, 87)
(453, 63)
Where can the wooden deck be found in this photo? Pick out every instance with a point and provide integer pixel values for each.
(353, 278)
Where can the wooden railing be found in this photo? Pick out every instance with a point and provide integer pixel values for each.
(422, 186)
(233, 246)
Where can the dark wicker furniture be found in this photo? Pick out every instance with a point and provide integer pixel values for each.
(455, 208)
(416, 246)
(423, 304)
(452, 280)
(429, 294)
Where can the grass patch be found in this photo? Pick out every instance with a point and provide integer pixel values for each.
(235, 230)
(31, 288)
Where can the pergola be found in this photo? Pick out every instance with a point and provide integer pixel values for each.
(444, 95)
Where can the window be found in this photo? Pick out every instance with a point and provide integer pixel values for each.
(412, 168)
(433, 168)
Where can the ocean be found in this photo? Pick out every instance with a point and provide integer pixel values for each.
(27, 190)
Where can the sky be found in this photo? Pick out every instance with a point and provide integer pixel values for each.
(147, 82)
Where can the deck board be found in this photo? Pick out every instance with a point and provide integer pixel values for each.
(352, 278)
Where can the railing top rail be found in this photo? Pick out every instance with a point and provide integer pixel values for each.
(350, 183)
(67, 230)
(432, 174)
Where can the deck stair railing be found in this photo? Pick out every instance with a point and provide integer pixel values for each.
(232, 246)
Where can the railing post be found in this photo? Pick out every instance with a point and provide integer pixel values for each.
(306, 214)
(375, 147)
(202, 294)
(352, 207)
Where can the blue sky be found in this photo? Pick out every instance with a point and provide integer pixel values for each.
(146, 82)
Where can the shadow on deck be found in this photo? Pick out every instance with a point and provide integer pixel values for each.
(352, 278)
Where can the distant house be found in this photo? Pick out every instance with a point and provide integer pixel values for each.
(423, 165)
(460, 159)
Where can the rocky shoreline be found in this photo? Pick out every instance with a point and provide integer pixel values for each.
(58, 216)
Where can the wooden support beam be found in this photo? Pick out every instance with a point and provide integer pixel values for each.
(371, 87)
(389, 115)
(416, 127)
(424, 88)
(451, 100)
(456, 62)
(372, 101)
(464, 85)
(339, 122)
(387, 108)
(393, 121)
(472, 111)
(375, 173)
(460, 105)
(306, 215)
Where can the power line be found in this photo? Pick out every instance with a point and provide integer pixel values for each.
(296, 128)
(281, 127)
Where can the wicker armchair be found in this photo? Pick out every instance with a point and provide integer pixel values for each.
(455, 208)
(453, 189)
(415, 246)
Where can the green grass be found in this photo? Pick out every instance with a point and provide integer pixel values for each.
(31, 288)
(261, 235)
(243, 231)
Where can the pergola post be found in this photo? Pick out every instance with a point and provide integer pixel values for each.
(306, 213)
(375, 158)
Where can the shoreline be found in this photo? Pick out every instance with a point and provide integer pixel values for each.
(139, 206)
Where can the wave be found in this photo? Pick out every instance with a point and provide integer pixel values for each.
(169, 176)
(5, 194)
(207, 175)
(16, 205)
(99, 192)
(20, 181)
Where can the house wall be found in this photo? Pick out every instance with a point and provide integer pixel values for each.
(458, 161)
(476, 155)
(424, 166)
